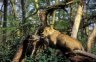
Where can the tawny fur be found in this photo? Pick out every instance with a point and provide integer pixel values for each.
(62, 39)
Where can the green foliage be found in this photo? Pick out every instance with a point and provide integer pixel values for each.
(94, 50)
(48, 55)
(8, 50)
(62, 25)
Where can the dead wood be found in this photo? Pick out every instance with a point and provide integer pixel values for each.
(20, 54)
(86, 54)
(31, 42)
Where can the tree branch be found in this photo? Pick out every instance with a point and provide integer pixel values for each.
(85, 54)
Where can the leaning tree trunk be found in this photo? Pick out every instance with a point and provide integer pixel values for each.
(77, 21)
(91, 40)
(5, 2)
(20, 54)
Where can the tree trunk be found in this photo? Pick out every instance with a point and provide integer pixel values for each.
(5, 2)
(23, 17)
(20, 54)
(91, 40)
(77, 21)
(14, 8)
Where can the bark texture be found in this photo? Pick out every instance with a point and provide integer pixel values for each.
(91, 40)
(77, 21)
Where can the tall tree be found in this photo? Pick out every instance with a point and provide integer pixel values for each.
(77, 20)
(23, 16)
(5, 2)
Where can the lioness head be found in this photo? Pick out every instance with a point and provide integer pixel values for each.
(47, 31)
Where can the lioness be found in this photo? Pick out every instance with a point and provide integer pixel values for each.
(61, 40)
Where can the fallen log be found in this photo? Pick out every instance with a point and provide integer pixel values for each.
(84, 53)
